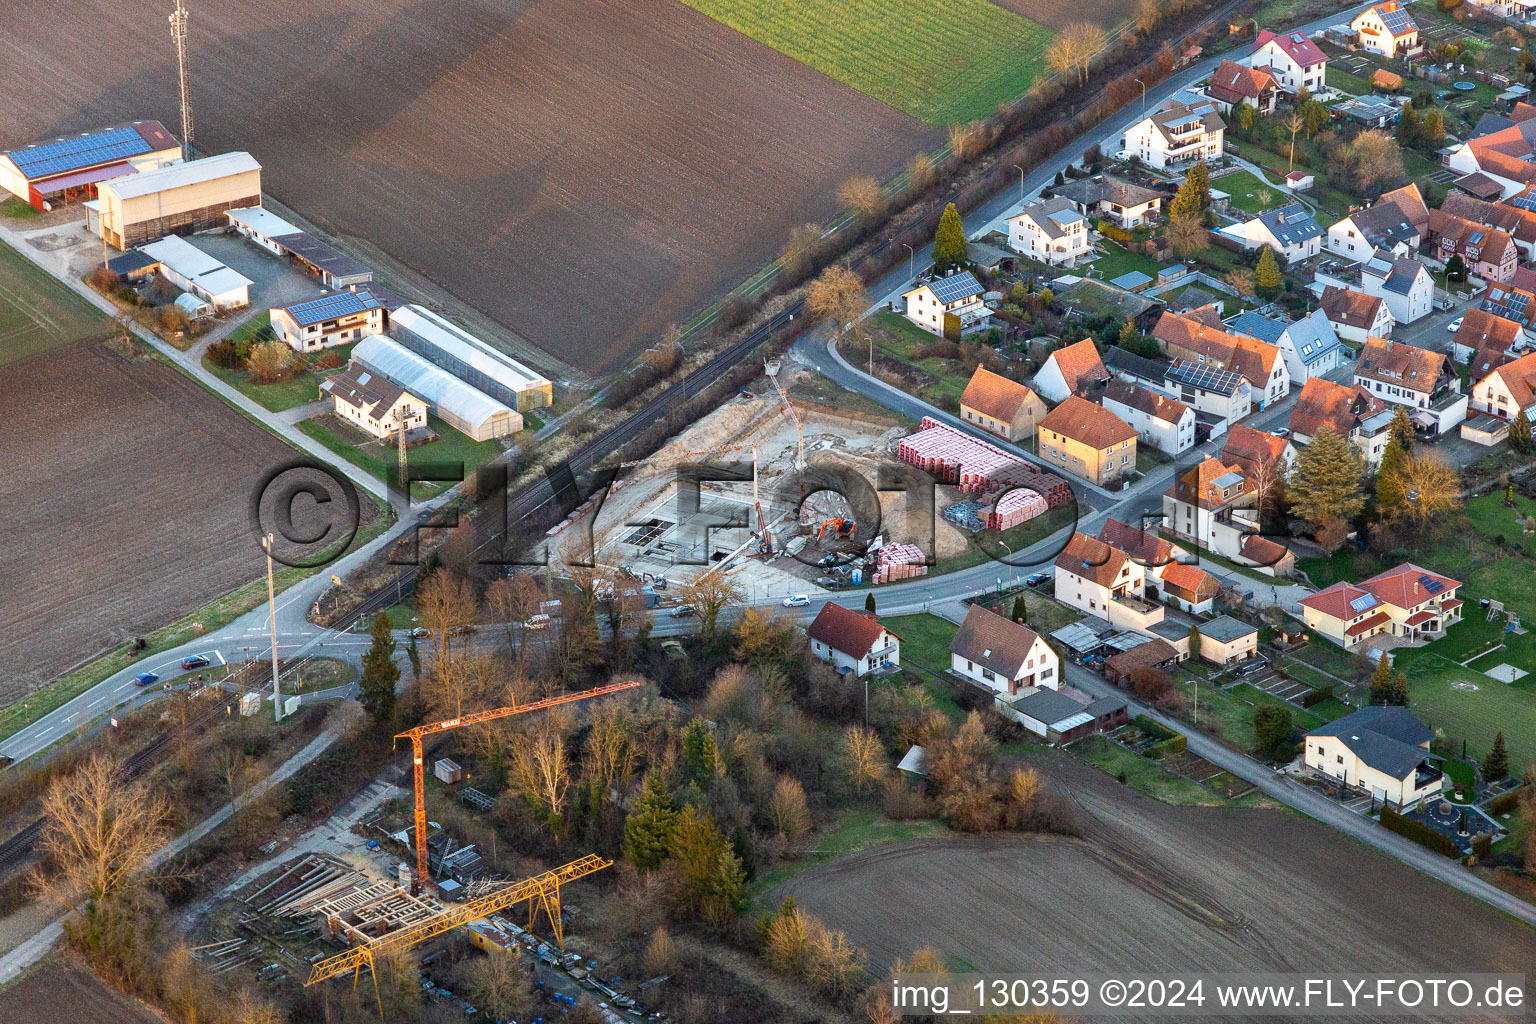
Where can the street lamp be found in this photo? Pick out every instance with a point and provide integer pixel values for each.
(911, 256)
(1143, 92)
(1021, 181)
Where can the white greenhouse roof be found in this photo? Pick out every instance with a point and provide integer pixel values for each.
(189, 172)
(433, 330)
(433, 385)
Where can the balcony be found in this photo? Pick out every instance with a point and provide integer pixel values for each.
(1131, 612)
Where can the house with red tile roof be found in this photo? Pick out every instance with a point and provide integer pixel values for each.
(1233, 85)
(1295, 61)
(1074, 369)
(1355, 315)
(854, 641)
(1518, 221)
(1000, 406)
(1351, 412)
(1424, 382)
(1215, 505)
(1489, 253)
(1189, 587)
(1258, 453)
(1144, 545)
(1105, 582)
(1505, 156)
(1481, 330)
(1387, 29)
(1262, 365)
(1508, 390)
(1408, 603)
(1088, 441)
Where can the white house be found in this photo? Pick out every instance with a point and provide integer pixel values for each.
(958, 295)
(373, 403)
(1505, 156)
(1179, 135)
(1386, 29)
(1508, 390)
(1423, 381)
(1290, 231)
(1216, 505)
(1309, 346)
(1294, 60)
(329, 320)
(852, 640)
(192, 270)
(1105, 582)
(1396, 223)
(1355, 316)
(1482, 331)
(1402, 282)
(1353, 413)
(1382, 750)
(1221, 393)
(1052, 231)
(1104, 195)
(1165, 423)
(1071, 370)
(1002, 655)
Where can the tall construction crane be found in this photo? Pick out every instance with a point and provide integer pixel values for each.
(415, 736)
(178, 22)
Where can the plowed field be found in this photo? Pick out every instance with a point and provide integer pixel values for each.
(583, 171)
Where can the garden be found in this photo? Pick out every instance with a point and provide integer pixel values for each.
(268, 371)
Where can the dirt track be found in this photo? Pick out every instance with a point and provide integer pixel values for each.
(583, 171)
(1159, 888)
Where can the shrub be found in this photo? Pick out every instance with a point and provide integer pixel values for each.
(1317, 696)
(1482, 844)
(171, 320)
(1176, 744)
(225, 355)
(272, 361)
(104, 280)
(902, 801)
(1152, 728)
(330, 359)
(1150, 683)
(1418, 832)
(1504, 803)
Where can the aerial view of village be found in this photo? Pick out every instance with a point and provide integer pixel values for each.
(767, 513)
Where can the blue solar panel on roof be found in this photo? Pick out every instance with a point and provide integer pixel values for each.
(955, 287)
(1398, 21)
(331, 306)
(1363, 602)
(1522, 202)
(82, 151)
(1431, 584)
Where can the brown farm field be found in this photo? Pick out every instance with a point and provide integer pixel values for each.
(63, 991)
(1104, 13)
(1158, 888)
(582, 171)
(127, 493)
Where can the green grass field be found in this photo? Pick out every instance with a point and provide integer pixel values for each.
(376, 458)
(37, 313)
(1474, 714)
(941, 63)
(1248, 193)
(1118, 260)
(1143, 775)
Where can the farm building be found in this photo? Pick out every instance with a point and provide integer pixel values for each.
(372, 403)
(272, 233)
(329, 320)
(470, 359)
(192, 270)
(462, 407)
(174, 200)
(56, 171)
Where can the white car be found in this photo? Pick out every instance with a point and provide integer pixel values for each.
(1455, 325)
(796, 601)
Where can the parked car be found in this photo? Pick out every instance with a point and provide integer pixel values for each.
(1251, 666)
(1281, 431)
(682, 611)
(1455, 325)
(536, 622)
(1037, 578)
(196, 661)
(145, 678)
(796, 601)
(419, 631)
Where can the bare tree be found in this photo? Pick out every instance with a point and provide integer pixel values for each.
(1073, 49)
(543, 769)
(1376, 157)
(1431, 488)
(1149, 13)
(921, 173)
(863, 195)
(787, 809)
(445, 602)
(609, 756)
(498, 984)
(803, 247)
(1187, 236)
(514, 602)
(709, 592)
(838, 295)
(1295, 122)
(865, 757)
(232, 767)
(100, 832)
(1241, 280)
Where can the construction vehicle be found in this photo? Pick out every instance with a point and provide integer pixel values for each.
(842, 528)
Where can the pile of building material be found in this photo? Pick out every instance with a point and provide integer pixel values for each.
(899, 562)
(312, 880)
(965, 514)
(954, 457)
(1014, 507)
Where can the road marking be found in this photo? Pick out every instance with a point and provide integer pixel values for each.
(220, 656)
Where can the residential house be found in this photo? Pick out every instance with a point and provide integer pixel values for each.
(1382, 750)
(1290, 231)
(1178, 135)
(1504, 156)
(853, 641)
(372, 403)
(1353, 413)
(1487, 252)
(1200, 337)
(1401, 282)
(1154, 552)
(1481, 330)
(1386, 29)
(1408, 602)
(1232, 85)
(1226, 641)
(1088, 441)
(1052, 231)
(1477, 184)
(1508, 10)
(1396, 223)
(1356, 316)
(949, 302)
(1189, 587)
(1516, 217)
(1000, 406)
(337, 319)
(1105, 582)
(1167, 424)
(1309, 346)
(1508, 389)
(1296, 61)
(1512, 301)
(1223, 394)
(1103, 195)
(1058, 717)
(1155, 653)
(1073, 370)
(1134, 369)
(1423, 381)
(1216, 506)
(1261, 456)
(1002, 655)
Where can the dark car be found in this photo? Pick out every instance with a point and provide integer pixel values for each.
(6, 760)
(196, 661)
(1251, 665)
(1037, 578)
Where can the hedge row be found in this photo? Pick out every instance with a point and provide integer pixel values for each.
(1175, 745)
(1505, 802)
(1151, 728)
(1418, 832)
(1317, 696)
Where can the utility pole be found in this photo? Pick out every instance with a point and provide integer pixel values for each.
(405, 479)
(277, 695)
(178, 22)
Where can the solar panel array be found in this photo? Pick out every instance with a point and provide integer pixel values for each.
(1511, 305)
(82, 151)
(1363, 602)
(955, 287)
(1207, 378)
(330, 307)
(1431, 584)
(1522, 202)
(1397, 21)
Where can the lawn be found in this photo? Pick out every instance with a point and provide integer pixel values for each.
(1339, 79)
(1118, 260)
(286, 394)
(925, 651)
(376, 458)
(1473, 714)
(1232, 710)
(941, 63)
(1248, 193)
(994, 545)
(1143, 775)
(16, 209)
(857, 828)
(897, 338)
(38, 313)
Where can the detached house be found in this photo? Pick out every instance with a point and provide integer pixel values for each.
(1222, 394)
(1052, 231)
(1232, 85)
(1508, 390)
(1125, 203)
(1177, 136)
(1216, 506)
(1424, 381)
(1072, 370)
(1088, 441)
(1002, 655)
(1351, 412)
(1401, 282)
(1309, 346)
(329, 320)
(1165, 423)
(1482, 331)
(1200, 337)
(1189, 587)
(1295, 61)
(1000, 406)
(1514, 217)
(372, 403)
(1408, 602)
(1291, 232)
(1397, 223)
(1386, 29)
(1356, 316)
(1259, 455)
(1382, 750)
(854, 641)
(1105, 582)
(1487, 252)
(945, 302)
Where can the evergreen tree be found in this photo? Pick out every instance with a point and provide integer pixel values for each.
(869, 602)
(1497, 764)
(1408, 130)
(376, 690)
(949, 240)
(1129, 338)
(1247, 118)
(1381, 681)
(1267, 281)
(1194, 641)
(1390, 491)
(1520, 434)
(1455, 268)
(714, 886)
(1200, 177)
(1020, 609)
(699, 757)
(1193, 196)
(415, 656)
(1272, 727)
(1432, 129)
(1400, 689)
(1325, 483)
(652, 824)
(1401, 429)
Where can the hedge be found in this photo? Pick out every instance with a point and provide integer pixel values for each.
(1505, 802)
(1418, 832)
(1317, 696)
(1175, 745)
(1151, 728)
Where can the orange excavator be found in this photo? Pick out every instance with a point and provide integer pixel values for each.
(842, 528)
